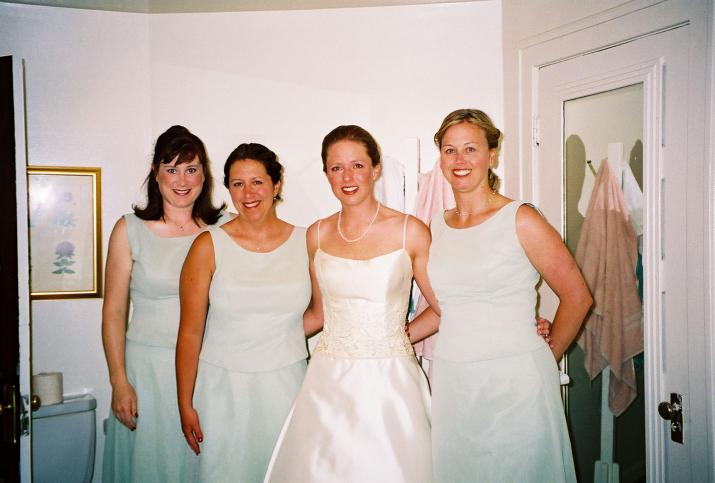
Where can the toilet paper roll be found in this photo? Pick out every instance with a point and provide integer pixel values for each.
(48, 386)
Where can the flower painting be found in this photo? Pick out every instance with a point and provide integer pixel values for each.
(65, 239)
(64, 262)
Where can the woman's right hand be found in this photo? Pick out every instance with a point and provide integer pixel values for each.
(124, 405)
(191, 428)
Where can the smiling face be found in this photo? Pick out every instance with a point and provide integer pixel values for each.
(180, 184)
(251, 188)
(350, 171)
(465, 157)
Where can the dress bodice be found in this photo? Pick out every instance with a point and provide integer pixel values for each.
(485, 286)
(154, 284)
(257, 300)
(364, 305)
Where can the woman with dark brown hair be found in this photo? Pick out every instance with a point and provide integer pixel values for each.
(146, 251)
(241, 352)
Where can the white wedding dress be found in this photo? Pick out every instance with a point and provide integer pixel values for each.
(362, 414)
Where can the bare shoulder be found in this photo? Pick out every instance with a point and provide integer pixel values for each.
(312, 236)
(119, 240)
(529, 218)
(418, 237)
(313, 232)
(201, 256)
(532, 227)
(203, 242)
(120, 227)
(417, 228)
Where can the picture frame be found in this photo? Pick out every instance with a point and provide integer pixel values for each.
(65, 220)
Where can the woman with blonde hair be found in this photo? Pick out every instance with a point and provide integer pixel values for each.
(497, 412)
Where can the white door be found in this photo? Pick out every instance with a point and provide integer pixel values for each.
(673, 245)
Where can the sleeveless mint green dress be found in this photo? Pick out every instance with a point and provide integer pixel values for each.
(253, 356)
(156, 451)
(496, 407)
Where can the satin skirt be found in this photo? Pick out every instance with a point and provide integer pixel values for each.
(156, 451)
(500, 420)
(357, 421)
(241, 415)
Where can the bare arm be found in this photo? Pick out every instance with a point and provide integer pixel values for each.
(194, 284)
(418, 243)
(423, 326)
(419, 239)
(551, 258)
(313, 316)
(114, 322)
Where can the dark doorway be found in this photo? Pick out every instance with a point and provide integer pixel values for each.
(9, 336)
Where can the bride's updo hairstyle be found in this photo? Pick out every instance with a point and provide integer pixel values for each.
(479, 119)
(355, 134)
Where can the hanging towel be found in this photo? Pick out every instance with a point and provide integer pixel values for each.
(607, 255)
(434, 195)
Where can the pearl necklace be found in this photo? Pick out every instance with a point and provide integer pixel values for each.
(348, 240)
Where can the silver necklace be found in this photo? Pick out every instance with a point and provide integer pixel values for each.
(180, 227)
(353, 240)
(459, 212)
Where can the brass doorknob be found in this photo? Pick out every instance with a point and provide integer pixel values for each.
(669, 409)
(666, 411)
(5, 407)
(35, 402)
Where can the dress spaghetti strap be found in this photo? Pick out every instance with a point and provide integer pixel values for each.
(319, 233)
(404, 231)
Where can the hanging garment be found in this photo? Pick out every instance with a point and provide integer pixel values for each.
(607, 255)
(390, 187)
(434, 195)
(632, 194)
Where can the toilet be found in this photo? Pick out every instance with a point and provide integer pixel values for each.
(63, 440)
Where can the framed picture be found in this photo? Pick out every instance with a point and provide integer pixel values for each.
(65, 232)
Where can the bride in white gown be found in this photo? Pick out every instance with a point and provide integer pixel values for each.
(362, 414)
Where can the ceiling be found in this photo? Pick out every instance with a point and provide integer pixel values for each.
(185, 6)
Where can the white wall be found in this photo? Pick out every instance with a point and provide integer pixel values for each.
(101, 86)
(287, 78)
(87, 95)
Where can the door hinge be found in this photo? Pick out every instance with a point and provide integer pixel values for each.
(536, 131)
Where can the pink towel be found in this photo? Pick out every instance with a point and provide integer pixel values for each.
(606, 253)
(434, 195)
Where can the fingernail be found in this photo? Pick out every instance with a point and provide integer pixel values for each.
(201, 440)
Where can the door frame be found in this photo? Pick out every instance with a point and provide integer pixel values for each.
(616, 26)
(23, 264)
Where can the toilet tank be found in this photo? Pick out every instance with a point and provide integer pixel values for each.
(63, 441)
